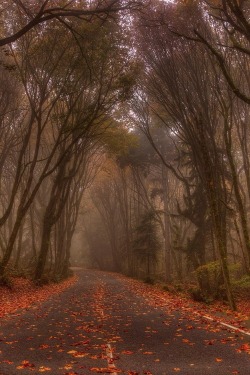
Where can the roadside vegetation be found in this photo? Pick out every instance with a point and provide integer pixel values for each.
(125, 142)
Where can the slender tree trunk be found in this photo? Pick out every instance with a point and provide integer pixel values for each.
(11, 243)
(33, 232)
(44, 249)
(19, 245)
(167, 244)
(66, 262)
(148, 266)
(241, 246)
(178, 266)
(221, 247)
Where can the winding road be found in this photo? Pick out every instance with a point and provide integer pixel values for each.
(102, 324)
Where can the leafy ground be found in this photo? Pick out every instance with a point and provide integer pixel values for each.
(217, 311)
(23, 293)
(108, 323)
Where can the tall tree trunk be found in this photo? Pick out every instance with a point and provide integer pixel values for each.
(221, 246)
(167, 244)
(44, 249)
(11, 243)
(33, 232)
(19, 245)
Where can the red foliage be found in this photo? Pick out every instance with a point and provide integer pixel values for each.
(244, 305)
(24, 294)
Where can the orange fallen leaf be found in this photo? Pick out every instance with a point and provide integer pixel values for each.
(127, 352)
(218, 359)
(77, 354)
(105, 370)
(43, 346)
(244, 348)
(68, 367)
(7, 361)
(43, 369)
(25, 364)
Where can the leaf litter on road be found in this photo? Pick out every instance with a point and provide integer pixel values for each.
(90, 338)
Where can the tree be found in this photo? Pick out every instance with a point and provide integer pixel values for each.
(146, 244)
(180, 81)
(67, 104)
(65, 227)
(223, 28)
(36, 14)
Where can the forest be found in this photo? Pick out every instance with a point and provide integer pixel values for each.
(125, 141)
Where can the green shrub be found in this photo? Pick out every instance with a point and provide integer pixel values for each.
(243, 282)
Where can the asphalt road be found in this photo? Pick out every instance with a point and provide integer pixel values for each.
(100, 325)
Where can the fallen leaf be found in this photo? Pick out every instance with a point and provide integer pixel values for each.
(105, 370)
(25, 364)
(43, 346)
(43, 369)
(127, 352)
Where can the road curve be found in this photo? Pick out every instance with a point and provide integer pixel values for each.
(102, 325)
